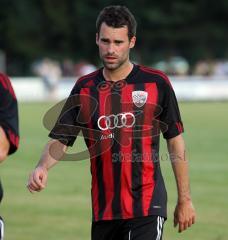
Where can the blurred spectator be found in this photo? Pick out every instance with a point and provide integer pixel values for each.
(221, 68)
(178, 66)
(161, 65)
(51, 73)
(68, 68)
(204, 67)
(83, 68)
(174, 66)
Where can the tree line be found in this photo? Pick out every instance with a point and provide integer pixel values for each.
(33, 29)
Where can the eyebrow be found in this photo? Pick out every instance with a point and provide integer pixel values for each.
(118, 41)
(107, 40)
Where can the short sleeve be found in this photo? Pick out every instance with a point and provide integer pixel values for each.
(67, 126)
(170, 114)
(9, 113)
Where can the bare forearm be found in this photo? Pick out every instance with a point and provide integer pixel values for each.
(184, 214)
(52, 154)
(179, 161)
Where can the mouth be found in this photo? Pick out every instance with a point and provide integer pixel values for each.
(109, 58)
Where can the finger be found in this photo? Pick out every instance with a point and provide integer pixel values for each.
(185, 225)
(33, 184)
(181, 227)
(38, 180)
(190, 223)
(175, 221)
(32, 181)
(32, 188)
(44, 180)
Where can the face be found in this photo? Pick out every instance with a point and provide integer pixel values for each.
(114, 46)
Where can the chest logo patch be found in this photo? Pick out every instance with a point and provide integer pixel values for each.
(139, 98)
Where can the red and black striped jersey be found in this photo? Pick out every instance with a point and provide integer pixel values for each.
(121, 123)
(9, 112)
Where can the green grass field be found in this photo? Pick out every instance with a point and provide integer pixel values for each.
(63, 209)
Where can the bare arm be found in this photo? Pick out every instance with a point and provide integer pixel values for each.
(184, 214)
(53, 152)
(4, 145)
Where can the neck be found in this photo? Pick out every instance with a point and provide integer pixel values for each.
(118, 74)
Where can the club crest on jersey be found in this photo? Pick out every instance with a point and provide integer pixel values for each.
(139, 98)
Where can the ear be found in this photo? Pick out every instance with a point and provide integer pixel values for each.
(97, 38)
(132, 42)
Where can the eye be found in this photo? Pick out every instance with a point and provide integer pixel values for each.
(118, 42)
(104, 40)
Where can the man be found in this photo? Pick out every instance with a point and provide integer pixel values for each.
(8, 127)
(121, 109)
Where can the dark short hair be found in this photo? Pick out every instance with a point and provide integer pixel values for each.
(117, 17)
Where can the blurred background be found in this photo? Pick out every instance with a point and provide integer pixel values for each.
(45, 45)
(191, 33)
(51, 43)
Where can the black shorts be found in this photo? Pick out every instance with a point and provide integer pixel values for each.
(143, 228)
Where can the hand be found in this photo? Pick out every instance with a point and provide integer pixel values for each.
(184, 215)
(37, 180)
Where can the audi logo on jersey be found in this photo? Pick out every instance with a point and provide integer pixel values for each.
(119, 120)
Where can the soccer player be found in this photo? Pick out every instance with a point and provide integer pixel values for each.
(121, 110)
(9, 138)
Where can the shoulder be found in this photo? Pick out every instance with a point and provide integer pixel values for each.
(4, 81)
(5, 85)
(87, 80)
(156, 75)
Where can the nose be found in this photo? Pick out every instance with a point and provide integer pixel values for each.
(111, 49)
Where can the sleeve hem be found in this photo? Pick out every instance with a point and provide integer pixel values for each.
(67, 142)
(169, 136)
